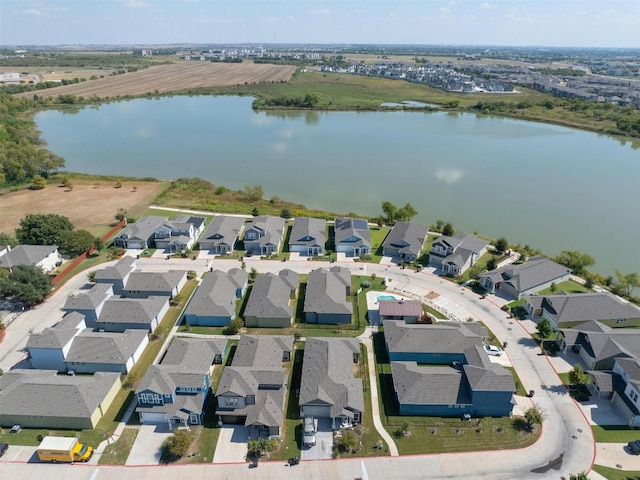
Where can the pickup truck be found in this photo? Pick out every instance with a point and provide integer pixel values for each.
(309, 429)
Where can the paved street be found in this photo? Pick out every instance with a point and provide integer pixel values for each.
(566, 445)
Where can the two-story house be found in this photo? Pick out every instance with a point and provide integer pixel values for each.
(308, 236)
(252, 389)
(159, 284)
(264, 234)
(141, 234)
(454, 255)
(213, 304)
(89, 303)
(174, 236)
(176, 390)
(118, 274)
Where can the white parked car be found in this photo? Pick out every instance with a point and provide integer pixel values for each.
(493, 350)
(309, 429)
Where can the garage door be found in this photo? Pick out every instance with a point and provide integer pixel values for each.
(147, 417)
(318, 411)
(232, 420)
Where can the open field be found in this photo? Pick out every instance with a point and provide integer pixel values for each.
(52, 74)
(172, 78)
(90, 206)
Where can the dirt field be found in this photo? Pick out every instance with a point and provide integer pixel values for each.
(172, 78)
(91, 206)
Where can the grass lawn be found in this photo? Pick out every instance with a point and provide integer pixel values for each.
(442, 434)
(569, 287)
(519, 388)
(116, 453)
(433, 312)
(615, 474)
(378, 234)
(614, 434)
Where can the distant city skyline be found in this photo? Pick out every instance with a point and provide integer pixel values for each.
(583, 23)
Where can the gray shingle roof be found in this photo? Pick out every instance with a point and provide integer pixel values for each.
(215, 296)
(587, 306)
(326, 291)
(264, 351)
(89, 299)
(604, 342)
(407, 237)
(327, 375)
(537, 271)
(407, 308)
(26, 255)
(483, 375)
(270, 298)
(143, 229)
(223, 229)
(308, 231)
(443, 337)
(197, 222)
(271, 229)
(131, 310)
(291, 278)
(71, 320)
(196, 353)
(104, 347)
(420, 385)
(44, 393)
(51, 338)
(121, 269)
(631, 367)
(464, 240)
(164, 282)
(352, 227)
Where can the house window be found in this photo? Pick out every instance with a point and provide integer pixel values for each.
(621, 320)
(194, 419)
(633, 395)
(231, 402)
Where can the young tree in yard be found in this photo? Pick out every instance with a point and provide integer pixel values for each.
(534, 415)
(121, 214)
(575, 260)
(448, 230)
(285, 213)
(544, 328)
(234, 326)
(492, 264)
(27, 283)
(348, 441)
(78, 241)
(627, 282)
(44, 229)
(502, 245)
(577, 376)
(178, 444)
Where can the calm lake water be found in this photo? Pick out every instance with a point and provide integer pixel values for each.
(551, 187)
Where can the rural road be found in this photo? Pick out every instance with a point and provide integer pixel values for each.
(566, 445)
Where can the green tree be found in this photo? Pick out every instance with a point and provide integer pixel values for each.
(348, 441)
(578, 376)
(6, 239)
(544, 328)
(502, 245)
(255, 212)
(534, 415)
(44, 229)
(48, 161)
(285, 213)
(234, 326)
(575, 260)
(578, 476)
(406, 213)
(38, 182)
(98, 243)
(627, 282)
(121, 214)
(178, 444)
(27, 284)
(254, 193)
(390, 211)
(253, 274)
(78, 241)
(448, 230)
(492, 263)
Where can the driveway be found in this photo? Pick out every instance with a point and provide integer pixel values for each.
(232, 444)
(323, 449)
(148, 445)
(615, 455)
(602, 412)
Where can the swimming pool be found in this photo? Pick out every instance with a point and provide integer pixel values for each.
(386, 297)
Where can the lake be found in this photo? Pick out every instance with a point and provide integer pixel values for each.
(551, 187)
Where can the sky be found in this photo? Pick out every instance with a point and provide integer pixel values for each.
(583, 23)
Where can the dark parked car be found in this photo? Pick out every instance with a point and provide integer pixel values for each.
(634, 447)
(3, 448)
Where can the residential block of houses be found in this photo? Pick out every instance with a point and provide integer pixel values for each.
(252, 389)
